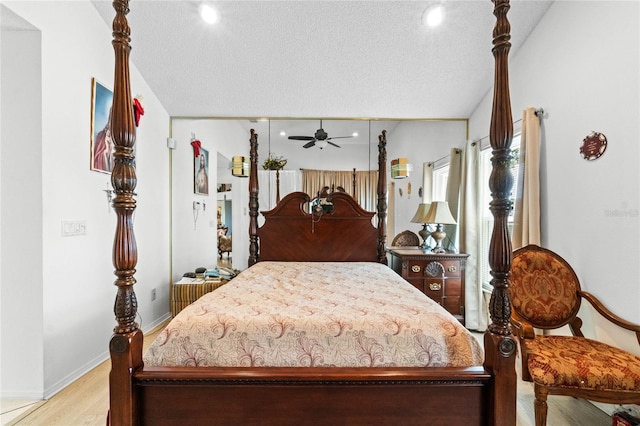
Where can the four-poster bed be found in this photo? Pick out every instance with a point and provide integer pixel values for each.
(143, 394)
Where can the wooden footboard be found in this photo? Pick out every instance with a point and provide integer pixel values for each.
(313, 396)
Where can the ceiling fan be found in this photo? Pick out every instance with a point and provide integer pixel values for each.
(320, 138)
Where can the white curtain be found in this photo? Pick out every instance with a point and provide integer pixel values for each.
(470, 223)
(427, 182)
(290, 181)
(526, 224)
(453, 197)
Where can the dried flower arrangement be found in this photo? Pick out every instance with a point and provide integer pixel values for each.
(274, 163)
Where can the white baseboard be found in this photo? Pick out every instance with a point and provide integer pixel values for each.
(81, 371)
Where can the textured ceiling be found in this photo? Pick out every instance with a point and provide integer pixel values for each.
(322, 58)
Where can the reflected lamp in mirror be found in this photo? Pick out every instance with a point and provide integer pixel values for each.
(439, 214)
(420, 217)
(400, 168)
(240, 166)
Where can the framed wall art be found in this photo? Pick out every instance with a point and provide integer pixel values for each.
(101, 142)
(201, 172)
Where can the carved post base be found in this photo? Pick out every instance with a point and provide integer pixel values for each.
(126, 358)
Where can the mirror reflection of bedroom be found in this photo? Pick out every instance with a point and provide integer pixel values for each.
(224, 215)
(350, 151)
(320, 157)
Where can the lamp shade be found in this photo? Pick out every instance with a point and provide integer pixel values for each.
(439, 213)
(421, 213)
(240, 166)
(400, 168)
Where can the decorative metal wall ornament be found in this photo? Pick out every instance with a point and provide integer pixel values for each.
(593, 146)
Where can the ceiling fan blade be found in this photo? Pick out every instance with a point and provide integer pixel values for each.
(301, 138)
(339, 137)
(331, 143)
(309, 144)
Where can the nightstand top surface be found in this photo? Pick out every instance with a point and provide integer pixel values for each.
(417, 251)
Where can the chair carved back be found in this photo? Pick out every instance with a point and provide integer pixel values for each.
(544, 288)
(407, 239)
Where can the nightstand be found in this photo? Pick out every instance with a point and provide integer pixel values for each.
(188, 290)
(438, 275)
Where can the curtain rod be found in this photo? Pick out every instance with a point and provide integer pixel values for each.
(431, 163)
(539, 113)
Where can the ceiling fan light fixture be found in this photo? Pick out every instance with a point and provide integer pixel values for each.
(433, 15)
(208, 14)
(321, 144)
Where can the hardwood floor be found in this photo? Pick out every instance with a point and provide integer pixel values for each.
(86, 401)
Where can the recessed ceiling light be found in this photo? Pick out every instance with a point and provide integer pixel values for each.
(282, 133)
(354, 134)
(208, 14)
(433, 15)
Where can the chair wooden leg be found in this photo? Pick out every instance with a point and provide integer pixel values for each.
(540, 404)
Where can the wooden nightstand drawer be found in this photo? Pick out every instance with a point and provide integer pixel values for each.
(453, 287)
(435, 295)
(451, 268)
(452, 304)
(438, 275)
(415, 269)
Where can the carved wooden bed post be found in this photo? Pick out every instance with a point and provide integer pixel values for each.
(126, 343)
(500, 347)
(382, 197)
(253, 198)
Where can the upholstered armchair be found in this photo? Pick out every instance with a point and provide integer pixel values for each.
(224, 242)
(545, 295)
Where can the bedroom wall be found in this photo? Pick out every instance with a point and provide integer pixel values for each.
(586, 78)
(74, 282)
(194, 237)
(21, 254)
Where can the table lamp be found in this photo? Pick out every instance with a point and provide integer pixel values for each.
(439, 214)
(420, 217)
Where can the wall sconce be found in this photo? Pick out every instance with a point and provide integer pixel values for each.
(109, 193)
(240, 166)
(400, 168)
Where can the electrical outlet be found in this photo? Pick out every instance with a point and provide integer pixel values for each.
(153, 294)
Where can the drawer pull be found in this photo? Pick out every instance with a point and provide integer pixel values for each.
(452, 268)
(435, 286)
(415, 268)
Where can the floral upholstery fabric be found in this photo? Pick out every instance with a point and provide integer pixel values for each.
(543, 288)
(306, 314)
(578, 362)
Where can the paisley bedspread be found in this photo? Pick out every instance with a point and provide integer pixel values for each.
(345, 314)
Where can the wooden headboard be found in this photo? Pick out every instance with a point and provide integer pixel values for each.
(290, 233)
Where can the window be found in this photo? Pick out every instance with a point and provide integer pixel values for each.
(487, 217)
(440, 177)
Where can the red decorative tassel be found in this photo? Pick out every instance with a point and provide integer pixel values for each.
(137, 111)
(196, 147)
